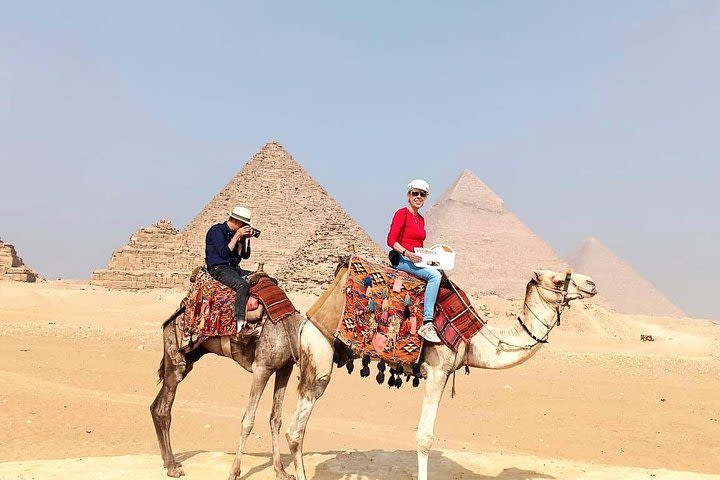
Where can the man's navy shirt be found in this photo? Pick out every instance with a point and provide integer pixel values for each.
(216, 247)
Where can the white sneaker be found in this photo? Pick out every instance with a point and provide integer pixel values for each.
(428, 332)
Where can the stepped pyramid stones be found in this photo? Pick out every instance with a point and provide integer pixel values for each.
(312, 266)
(155, 256)
(288, 206)
(12, 266)
(496, 252)
(622, 286)
(297, 217)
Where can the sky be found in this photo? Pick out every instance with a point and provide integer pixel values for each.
(588, 118)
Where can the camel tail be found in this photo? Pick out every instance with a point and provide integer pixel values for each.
(161, 370)
(176, 313)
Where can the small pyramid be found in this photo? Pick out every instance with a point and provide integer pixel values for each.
(155, 256)
(495, 252)
(311, 267)
(12, 266)
(622, 286)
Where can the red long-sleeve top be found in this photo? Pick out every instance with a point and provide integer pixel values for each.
(413, 231)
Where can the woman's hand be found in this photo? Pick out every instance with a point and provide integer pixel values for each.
(412, 257)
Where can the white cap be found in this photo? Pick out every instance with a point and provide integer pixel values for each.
(418, 184)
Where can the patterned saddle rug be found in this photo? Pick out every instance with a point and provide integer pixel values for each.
(209, 309)
(384, 307)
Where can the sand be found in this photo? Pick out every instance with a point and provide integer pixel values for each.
(77, 376)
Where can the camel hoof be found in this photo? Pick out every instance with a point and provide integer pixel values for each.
(175, 472)
(284, 476)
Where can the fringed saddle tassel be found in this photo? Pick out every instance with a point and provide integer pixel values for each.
(371, 306)
(350, 365)
(365, 370)
(406, 312)
(399, 370)
(386, 292)
(391, 380)
(385, 305)
(416, 374)
(381, 372)
(336, 359)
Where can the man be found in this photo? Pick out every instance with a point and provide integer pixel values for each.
(225, 245)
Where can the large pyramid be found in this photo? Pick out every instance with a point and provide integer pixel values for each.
(12, 266)
(622, 286)
(303, 228)
(495, 252)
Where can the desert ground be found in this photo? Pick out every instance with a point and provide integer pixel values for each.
(78, 373)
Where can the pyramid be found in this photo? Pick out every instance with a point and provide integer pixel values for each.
(303, 230)
(312, 266)
(622, 286)
(155, 256)
(495, 252)
(12, 266)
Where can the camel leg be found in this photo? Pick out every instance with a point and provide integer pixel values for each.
(261, 375)
(161, 409)
(315, 370)
(434, 386)
(281, 380)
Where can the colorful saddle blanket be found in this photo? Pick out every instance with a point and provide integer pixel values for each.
(456, 320)
(384, 308)
(209, 307)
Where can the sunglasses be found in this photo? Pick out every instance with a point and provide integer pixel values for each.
(418, 193)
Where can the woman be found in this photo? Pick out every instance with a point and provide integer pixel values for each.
(407, 231)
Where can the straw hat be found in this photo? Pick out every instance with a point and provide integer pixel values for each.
(243, 214)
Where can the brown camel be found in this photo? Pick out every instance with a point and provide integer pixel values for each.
(546, 295)
(271, 353)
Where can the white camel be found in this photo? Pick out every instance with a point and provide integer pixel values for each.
(546, 295)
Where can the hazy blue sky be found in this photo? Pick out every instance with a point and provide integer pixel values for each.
(587, 118)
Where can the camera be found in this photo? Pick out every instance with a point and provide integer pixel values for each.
(255, 232)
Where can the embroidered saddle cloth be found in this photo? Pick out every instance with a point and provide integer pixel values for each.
(382, 312)
(384, 308)
(209, 308)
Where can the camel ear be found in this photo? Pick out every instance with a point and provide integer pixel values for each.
(537, 276)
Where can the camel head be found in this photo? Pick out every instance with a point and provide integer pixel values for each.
(552, 283)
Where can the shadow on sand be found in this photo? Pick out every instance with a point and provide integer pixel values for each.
(381, 464)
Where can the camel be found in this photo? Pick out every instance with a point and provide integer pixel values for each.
(271, 353)
(547, 293)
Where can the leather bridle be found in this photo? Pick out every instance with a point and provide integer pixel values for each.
(558, 309)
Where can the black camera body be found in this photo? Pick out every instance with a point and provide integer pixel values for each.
(255, 232)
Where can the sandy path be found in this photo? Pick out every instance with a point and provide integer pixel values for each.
(76, 381)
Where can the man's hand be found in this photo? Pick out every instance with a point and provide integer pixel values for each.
(243, 232)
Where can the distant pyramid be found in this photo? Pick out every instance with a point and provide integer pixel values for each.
(302, 227)
(155, 256)
(12, 266)
(622, 286)
(495, 252)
